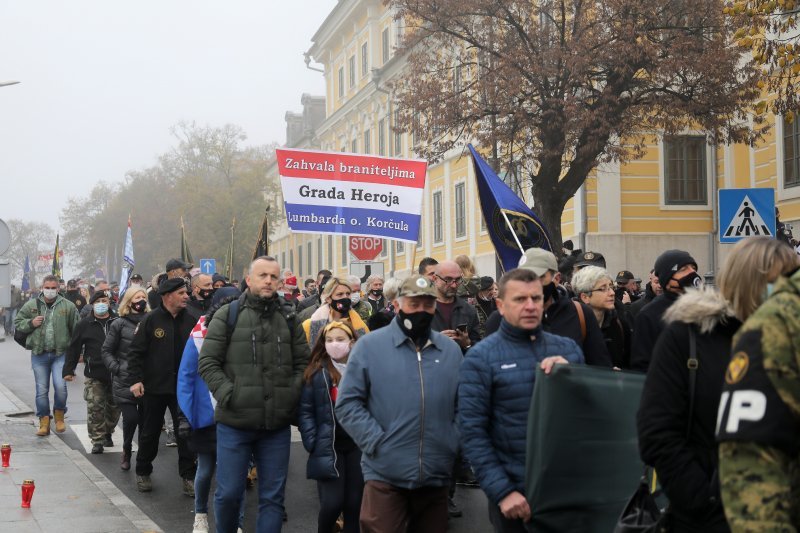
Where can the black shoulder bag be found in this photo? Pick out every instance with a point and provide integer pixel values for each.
(20, 337)
(642, 514)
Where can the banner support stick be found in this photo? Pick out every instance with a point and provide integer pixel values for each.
(511, 229)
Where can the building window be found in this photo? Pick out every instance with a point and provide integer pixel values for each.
(354, 146)
(330, 251)
(398, 139)
(345, 251)
(364, 59)
(299, 260)
(483, 220)
(367, 143)
(400, 247)
(382, 137)
(341, 82)
(310, 262)
(352, 71)
(791, 153)
(438, 233)
(419, 234)
(283, 259)
(319, 254)
(291, 260)
(385, 44)
(384, 248)
(685, 170)
(461, 211)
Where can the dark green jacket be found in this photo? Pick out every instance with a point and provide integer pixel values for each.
(257, 377)
(63, 313)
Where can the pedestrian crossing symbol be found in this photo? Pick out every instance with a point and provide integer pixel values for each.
(746, 213)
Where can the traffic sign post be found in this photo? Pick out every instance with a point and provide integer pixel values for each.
(746, 213)
(365, 248)
(208, 266)
(365, 269)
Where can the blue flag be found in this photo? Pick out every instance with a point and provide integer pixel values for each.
(127, 260)
(26, 274)
(512, 225)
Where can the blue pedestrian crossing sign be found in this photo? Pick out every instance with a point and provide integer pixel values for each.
(746, 213)
(208, 266)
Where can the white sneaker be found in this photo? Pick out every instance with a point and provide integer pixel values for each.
(200, 523)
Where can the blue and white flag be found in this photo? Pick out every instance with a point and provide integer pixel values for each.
(26, 275)
(127, 260)
(512, 225)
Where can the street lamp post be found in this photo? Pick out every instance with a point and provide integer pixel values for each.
(7, 83)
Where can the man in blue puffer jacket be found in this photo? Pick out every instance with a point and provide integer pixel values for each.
(494, 394)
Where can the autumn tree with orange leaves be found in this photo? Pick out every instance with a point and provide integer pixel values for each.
(550, 89)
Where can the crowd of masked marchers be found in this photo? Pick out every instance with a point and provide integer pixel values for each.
(406, 390)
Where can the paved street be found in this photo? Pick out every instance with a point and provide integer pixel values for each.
(165, 506)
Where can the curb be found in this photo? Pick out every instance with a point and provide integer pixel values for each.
(125, 505)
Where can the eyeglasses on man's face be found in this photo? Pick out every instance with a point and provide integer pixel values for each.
(450, 281)
(603, 288)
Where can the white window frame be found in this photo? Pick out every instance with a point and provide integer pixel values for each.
(463, 184)
(438, 192)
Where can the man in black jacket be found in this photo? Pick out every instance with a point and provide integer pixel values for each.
(651, 290)
(452, 311)
(102, 414)
(314, 301)
(562, 315)
(74, 295)
(676, 270)
(202, 291)
(153, 363)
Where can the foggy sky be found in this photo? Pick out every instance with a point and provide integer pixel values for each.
(102, 82)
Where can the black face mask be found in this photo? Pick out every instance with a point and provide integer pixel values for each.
(139, 306)
(312, 291)
(342, 305)
(206, 294)
(377, 293)
(691, 281)
(417, 325)
(549, 290)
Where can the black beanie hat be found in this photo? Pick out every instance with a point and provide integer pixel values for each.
(99, 294)
(170, 285)
(669, 262)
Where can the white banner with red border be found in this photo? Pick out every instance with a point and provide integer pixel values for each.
(351, 194)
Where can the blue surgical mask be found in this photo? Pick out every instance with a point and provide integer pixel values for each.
(100, 308)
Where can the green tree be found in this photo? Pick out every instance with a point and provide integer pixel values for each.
(552, 88)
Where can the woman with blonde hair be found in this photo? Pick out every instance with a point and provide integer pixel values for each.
(336, 305)
(470, 285)
(677, 415)
(132, 309)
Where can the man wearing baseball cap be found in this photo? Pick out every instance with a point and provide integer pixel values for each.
(676, 271)
(562, 315)
(403, 484)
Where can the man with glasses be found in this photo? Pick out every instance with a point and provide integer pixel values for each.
(454, 317)
(49, 320)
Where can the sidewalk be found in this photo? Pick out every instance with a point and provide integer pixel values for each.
(72, 496)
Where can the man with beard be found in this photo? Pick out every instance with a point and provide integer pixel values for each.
(405, 489)
(485, 303)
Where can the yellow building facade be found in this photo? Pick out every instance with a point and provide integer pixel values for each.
(629, 212)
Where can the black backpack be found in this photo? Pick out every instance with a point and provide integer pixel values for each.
(286, 310)
(20, 337)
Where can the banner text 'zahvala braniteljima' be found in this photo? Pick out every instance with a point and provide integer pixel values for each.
(350, 194)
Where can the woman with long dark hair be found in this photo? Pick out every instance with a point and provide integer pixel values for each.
(334, 459)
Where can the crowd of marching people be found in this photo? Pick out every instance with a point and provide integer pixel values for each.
(403, 389)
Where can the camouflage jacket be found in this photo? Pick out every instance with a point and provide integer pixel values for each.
(759, 417)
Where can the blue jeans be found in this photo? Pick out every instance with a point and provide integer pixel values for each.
(44, 365)
(206, 465)
(271, 451)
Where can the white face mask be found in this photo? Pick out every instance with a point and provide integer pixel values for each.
(355, 298)
(50, 294)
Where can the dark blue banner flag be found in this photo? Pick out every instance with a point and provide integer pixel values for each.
(512, 225)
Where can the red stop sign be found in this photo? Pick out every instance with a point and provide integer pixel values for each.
(365, 248)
